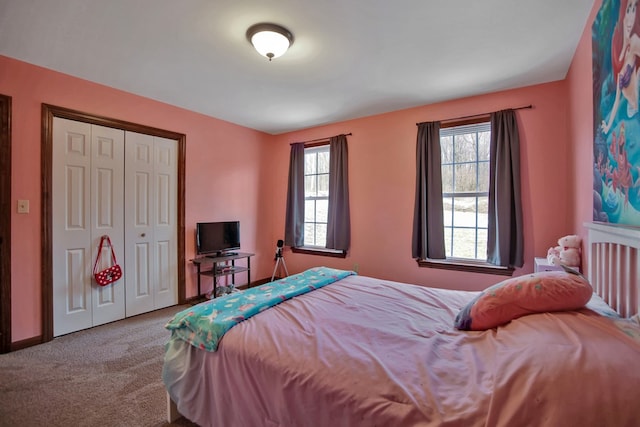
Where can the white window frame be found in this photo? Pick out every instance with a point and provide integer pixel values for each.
(450, 224)
(323, 148)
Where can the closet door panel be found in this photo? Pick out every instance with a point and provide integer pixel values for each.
(75, 293)
(71, 230)
(165, 227)
(142, 281)
(107, 218)
(139, 230)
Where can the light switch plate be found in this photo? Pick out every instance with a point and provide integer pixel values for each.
(23, 206)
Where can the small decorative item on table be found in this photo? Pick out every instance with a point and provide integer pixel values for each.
(542, 264)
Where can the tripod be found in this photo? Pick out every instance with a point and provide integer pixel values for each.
(279, 261)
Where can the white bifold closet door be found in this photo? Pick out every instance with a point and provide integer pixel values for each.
(150, 218)
(87, 181)
(106, 181)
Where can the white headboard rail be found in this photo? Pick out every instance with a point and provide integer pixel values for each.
(614, 265)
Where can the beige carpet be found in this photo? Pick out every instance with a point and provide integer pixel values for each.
(109, 375)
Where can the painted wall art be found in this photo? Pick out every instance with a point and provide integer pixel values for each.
(616, 65)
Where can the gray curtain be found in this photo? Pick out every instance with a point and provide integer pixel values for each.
(338, 223)
(428, 221)
(505, 241)
(294, 222)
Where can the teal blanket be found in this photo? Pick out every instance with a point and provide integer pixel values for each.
(203, 325)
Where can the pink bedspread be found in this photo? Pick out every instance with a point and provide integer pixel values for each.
(367, 352)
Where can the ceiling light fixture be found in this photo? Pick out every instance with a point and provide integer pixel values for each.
(270, 40)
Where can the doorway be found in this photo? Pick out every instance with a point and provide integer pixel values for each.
(48, 114)
(5, 224)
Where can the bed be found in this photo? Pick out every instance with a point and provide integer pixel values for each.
(368, 352)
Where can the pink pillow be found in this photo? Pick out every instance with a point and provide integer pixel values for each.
(519, 296)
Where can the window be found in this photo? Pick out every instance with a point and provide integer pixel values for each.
(465, 189)
(455, 195)
(317, 218)
(316, 195)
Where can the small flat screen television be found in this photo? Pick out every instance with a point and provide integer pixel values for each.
(216, 238)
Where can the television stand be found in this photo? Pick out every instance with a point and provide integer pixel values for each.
(220, 267)
(221, 254)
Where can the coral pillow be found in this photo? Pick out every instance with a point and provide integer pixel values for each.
(519, 296)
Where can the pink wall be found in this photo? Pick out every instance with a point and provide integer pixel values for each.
(580, 80)
(382, 183)
(223, 171)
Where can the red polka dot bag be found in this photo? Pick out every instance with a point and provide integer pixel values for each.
(110, 274)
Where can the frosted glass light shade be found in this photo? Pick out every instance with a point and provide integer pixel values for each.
(270, 40)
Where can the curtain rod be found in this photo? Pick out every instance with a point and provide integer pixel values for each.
(318, 139)
(480, 115)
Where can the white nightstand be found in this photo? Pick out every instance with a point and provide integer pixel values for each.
(542, 264)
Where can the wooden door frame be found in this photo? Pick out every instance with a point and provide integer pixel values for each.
(48, 113)
(5, 224)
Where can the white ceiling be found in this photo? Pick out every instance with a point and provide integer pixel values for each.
(350, 58)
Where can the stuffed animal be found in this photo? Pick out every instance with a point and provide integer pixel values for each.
(570, 250)
(570, 257)
(567, 252)
(572, 241)
(553, 255)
